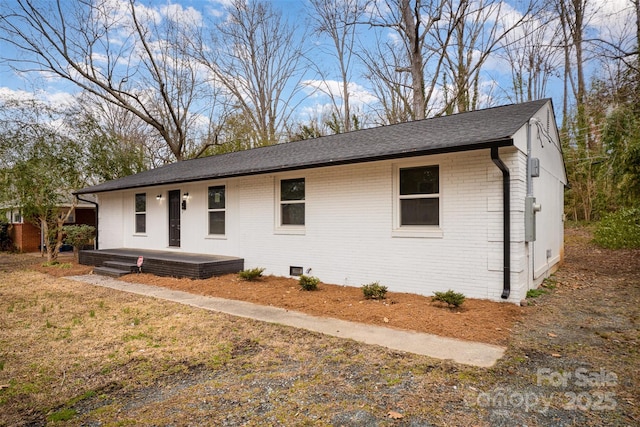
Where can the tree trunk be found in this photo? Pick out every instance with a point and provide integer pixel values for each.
(44, 227)
(411, 22)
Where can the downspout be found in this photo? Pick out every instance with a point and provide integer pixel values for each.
(97, 216)
(506, 223)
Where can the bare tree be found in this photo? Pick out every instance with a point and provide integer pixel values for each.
(337, 19)
(123, 127)
(573, 22)
(533, 55)
(411, 21)
(393, 89)
(123, 53)
(618, 44)
(473, 32)
(260, 64)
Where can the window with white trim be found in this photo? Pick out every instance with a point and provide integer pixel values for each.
(419, 196)
(292, 202)
(141, 213)
(217, 210)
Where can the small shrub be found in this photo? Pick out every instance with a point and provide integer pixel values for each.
(453, 299)
(79, 236)
(374, 291)
(308, 283)
(619, 230)
(6, 244)
(251, 274)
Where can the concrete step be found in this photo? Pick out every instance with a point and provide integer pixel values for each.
(122, 265)
(110, 271)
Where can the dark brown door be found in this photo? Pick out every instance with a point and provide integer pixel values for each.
(174, 218)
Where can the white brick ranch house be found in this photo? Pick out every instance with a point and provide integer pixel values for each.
(420, 207)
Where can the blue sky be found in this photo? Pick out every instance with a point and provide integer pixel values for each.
(608, 21)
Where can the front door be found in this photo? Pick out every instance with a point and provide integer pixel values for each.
(174, 218)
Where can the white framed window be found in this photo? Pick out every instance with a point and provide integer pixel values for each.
(17, 217)
(216, 208)
(290, 213)
(141, 212)
(417, 201)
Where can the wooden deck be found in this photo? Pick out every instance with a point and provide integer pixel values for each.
(116, 262)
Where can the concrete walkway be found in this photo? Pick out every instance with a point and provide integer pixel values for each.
(469, 353)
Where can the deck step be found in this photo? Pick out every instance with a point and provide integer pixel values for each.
(110, 271)
(122, 265)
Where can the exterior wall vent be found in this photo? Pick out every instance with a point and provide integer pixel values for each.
(295, 271)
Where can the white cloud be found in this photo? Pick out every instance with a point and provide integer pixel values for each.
(58, 99)
(176, 13)
(612, 19)
(99, 58)
(358, 94)
(18, 95)
(609, 12)
(216, 8)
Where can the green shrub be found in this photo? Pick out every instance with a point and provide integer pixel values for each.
(374, 291)
(453, 299)
(619, 230)
(251, 274)
(308, 283)
(79, 236)
(6, 244)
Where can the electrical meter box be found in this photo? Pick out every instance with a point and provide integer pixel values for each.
(530, 209)
(535, 167)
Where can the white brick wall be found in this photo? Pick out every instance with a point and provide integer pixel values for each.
(348, 237)
(111, 220)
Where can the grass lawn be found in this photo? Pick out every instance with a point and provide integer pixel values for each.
(74, 354)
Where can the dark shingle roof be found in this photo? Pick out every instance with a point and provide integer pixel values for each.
(457, 132)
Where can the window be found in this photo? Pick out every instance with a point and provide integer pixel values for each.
(141, 213)
(216, 209)
(419, 196)
(71, 219)
(17, 217)
(292, 201)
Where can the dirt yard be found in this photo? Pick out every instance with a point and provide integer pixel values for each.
(73, 354)
(476, 320)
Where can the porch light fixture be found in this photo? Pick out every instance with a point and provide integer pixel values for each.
(185, 196)
(159, 197)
